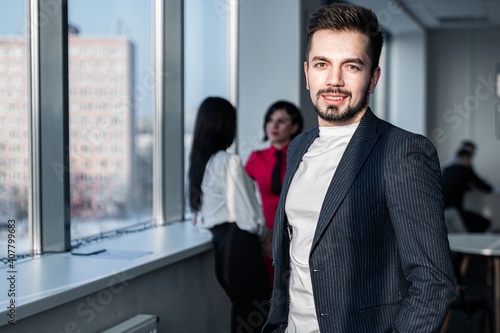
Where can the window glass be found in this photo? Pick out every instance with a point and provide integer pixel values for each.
(14, 149)
(206, 69)
(111, 98)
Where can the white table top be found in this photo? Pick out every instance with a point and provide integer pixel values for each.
(479, 244)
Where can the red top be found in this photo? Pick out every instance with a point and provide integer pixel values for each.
(259, 167)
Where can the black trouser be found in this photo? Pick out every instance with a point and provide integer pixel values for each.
(240, 270)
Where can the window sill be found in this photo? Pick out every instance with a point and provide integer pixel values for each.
(54, 279)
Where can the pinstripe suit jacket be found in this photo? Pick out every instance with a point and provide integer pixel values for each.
(380, 259)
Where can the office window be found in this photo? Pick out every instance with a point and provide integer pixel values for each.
(205, 64)
(14, 175)
(110, 39)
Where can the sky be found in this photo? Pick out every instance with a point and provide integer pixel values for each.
(12, 17)
(92, 16)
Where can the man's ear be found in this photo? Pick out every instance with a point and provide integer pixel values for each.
(374, 80)
(306, 69)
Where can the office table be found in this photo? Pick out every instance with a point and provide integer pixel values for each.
(486, 245)
(486, 204)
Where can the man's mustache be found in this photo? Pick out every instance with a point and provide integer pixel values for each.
(334, 91)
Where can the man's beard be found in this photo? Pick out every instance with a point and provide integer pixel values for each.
(332, 113)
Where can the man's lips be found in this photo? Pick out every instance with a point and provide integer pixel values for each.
(332, 96)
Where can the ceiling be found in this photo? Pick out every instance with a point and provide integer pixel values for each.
(452, 14)
(409, 15)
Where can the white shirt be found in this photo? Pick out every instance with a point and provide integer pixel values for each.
(229, 196)
(303, 204)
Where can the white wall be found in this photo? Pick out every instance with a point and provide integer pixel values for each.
(270, 62)
(404, 72)
(407, 81)
(461, 95)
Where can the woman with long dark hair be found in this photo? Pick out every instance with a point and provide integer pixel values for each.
(223, 197)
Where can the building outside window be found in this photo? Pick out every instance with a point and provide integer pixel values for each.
(112, 81)
(14, 152)
(111, 150)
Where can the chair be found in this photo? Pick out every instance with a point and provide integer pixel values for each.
(467, 301)
(471, 298)
(453, 221)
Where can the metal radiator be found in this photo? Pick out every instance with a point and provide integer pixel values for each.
(140, 323)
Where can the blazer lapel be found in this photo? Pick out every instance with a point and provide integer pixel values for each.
(351, 162)
(302, 147)
(301, 144)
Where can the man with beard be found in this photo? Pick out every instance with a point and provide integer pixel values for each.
(360, 243)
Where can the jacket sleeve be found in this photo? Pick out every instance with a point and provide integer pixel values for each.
(416, 208)
(479, 183)
(241, 199)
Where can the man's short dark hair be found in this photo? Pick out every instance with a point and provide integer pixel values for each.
(343, 18)
(464, 153)
(469, 144)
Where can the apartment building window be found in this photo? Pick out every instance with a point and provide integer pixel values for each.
(105, 198)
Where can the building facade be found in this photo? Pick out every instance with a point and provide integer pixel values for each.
(101, 130)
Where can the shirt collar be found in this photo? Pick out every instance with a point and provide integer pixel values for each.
(283, 150)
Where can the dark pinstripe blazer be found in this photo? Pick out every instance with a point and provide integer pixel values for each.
(380, 259)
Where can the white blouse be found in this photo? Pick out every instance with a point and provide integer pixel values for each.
(229, 196)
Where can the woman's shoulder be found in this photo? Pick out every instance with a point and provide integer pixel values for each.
(257, 157)
(223, 157)
(260, 152)
(220, 163)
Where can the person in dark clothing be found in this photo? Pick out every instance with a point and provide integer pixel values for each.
(457, 179)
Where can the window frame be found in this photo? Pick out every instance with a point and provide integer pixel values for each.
(49, 192)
